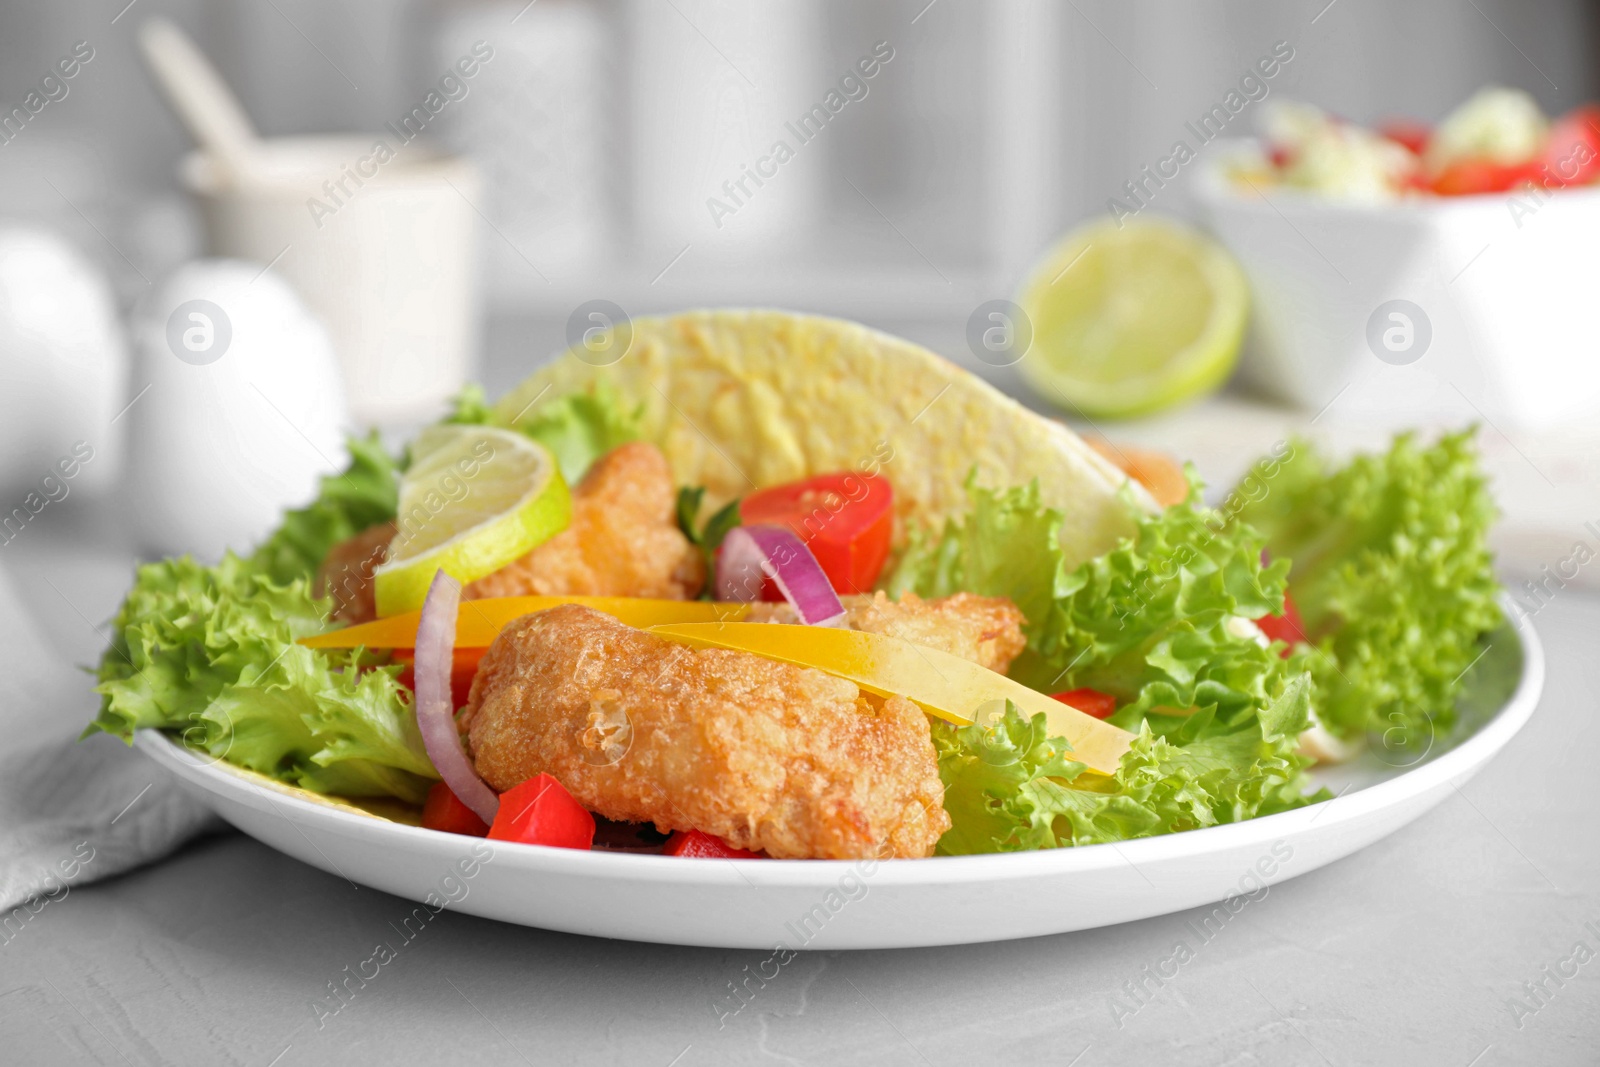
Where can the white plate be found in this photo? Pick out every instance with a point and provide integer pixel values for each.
(830, 904)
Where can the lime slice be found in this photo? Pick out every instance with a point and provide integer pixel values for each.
(473, 500)
(1130, 320)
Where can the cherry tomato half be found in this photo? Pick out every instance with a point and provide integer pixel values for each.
(1089, 701)
(845, 519)
(1288, 627)
(1408, 132)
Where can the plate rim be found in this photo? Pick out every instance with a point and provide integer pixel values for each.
(1462, 760)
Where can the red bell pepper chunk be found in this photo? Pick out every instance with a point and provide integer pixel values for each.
(845, 519)
(463, 668)
(696, 844)
(443, 810)
(1288, 627)
(540, 811)
(1089, 701)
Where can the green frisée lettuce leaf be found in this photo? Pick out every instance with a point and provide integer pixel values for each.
(577, 428)
(1161, 624)
(1157, 623)
(470, 407)
(1010, 788)
(210, 652)
(1392, 574)
(1008, 545)
(708, 537)
(365, 494)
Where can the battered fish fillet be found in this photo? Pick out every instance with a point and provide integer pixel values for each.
(986, 630)
(346, 575)
(624, 541)
(765, 755)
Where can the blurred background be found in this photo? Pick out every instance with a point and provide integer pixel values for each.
(607, 148)
(995, 127)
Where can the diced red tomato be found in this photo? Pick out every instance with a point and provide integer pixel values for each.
(1280, 156)
(1572, 151)
(1287, 627)
(845, 519)
(463, 669)
(540, 811)
(1414, 135)
(1470, 177)
(1089, 701)
(695, 844)
(443, 810)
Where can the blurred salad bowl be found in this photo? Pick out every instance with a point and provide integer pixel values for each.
(1412, 273)
(1498, 293)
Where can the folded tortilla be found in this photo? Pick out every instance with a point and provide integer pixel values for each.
(744, 399)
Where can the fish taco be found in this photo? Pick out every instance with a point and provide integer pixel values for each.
(752, 583)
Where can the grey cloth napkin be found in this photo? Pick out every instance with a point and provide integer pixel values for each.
(70, 812)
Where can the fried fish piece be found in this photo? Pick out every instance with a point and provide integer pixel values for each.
(346, 575)
(623, 541)
(984, 629)
(765, 755)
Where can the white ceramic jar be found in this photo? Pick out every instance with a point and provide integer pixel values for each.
(378, 235)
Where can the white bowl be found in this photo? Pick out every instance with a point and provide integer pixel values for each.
(1502, 280)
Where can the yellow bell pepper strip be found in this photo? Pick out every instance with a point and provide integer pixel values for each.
(943, 685)
(481, 620)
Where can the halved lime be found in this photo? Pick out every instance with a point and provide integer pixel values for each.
(474, 499)
(1128, 320)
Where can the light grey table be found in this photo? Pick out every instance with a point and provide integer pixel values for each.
(1409, 952)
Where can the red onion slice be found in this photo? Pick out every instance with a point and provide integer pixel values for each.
(751, 552)
(436, 713)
